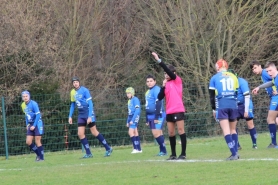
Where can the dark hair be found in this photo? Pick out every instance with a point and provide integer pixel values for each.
(172, 68)
(150, 76)
(254, 63)
(270, 63)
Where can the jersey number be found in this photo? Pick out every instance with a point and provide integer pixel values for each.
(227, 84)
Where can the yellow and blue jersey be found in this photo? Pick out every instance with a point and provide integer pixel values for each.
(242, 90)
(151, 98)
(81, 98)
(32, 112)
(225, 85)
(266, 78)
(134, 108)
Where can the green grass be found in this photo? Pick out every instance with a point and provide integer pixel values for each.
(205, 164)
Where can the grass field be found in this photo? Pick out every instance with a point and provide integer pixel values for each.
(205, 164)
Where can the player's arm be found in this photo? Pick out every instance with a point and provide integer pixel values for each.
(91, 106)
(137, 109)
(212, 98)
(158, 105)
(265, 85)
(166, 69)
(161, 94)
(72, 106)
(246, 101)
(37, 113)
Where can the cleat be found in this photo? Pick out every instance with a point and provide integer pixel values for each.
(108, 152)
(237, 155)
(232, 158)
(86, 156)
(37, 158)
(255, 146)
(182, 157)
(172, 158)
(139, 151)
(271, 145)
(161, 154)
(134, 151)
(239, 148)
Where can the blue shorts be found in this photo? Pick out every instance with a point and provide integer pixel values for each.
(38, 131)
(227, 113)
(135, 123)
(273, 103)
(159, 125)
(241, 110)
(82, 122)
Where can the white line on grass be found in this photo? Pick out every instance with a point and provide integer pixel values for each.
(140, 161)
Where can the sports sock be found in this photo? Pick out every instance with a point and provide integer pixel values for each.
(133, 140)
(230, 144)
(34, 148)
(272, 131)
(138, 143)
(253, 134)
(183, 144)
(235, 141)
(85, 143)
(160, 141)
(103, 141)
(41, 152)
(173, 145)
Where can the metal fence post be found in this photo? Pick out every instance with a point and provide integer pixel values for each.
(5, 127)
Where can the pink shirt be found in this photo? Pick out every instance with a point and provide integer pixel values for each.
(173, 96)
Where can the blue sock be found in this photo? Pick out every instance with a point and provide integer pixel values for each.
(160, 141)
(272, 131)
(230, 144)
(133, 140)
(40, 149)
(253, 134)
(34, 148)
(235, 141)
(138, 143)
(103, 141)
(85, 143)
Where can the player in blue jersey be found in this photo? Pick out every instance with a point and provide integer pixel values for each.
(272, 93)
(223, 97)
(34, 125)
(245, 108)
(134, 110)
(155, 113)
(81, 97)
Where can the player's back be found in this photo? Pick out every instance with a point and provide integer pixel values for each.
(225, 85)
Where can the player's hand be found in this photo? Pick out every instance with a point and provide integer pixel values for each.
(131, 122)
(156, 121)
(32, 128)
(214, 114)
(164, 82)
(147, 123)
(155, 56)
(274, 92)
(255, 91)
(246, 114)
(70, 120)
(127, 125)
(89, 120)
